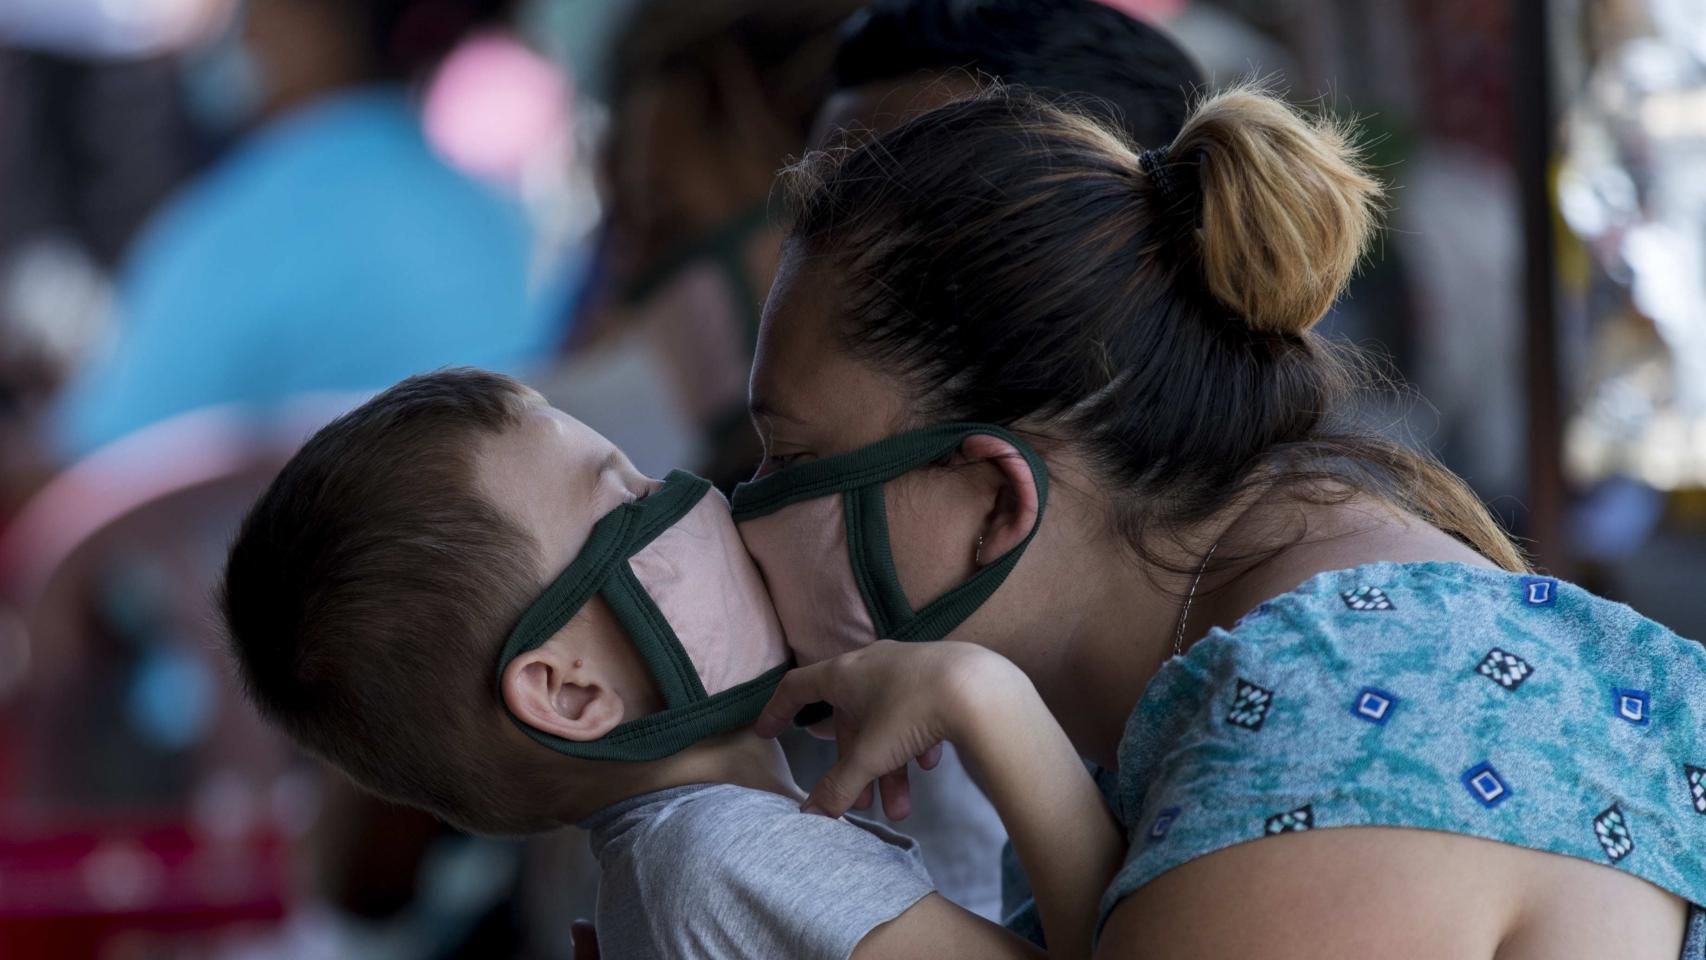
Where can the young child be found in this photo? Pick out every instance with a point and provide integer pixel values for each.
(474, 604)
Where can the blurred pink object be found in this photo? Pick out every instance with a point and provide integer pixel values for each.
(1148, 9)
(117, 886)
(495, 107)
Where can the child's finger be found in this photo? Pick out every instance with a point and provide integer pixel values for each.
(897, 794)
(864, 801)
(930, 758)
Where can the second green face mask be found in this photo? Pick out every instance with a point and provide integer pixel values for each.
(819, 532)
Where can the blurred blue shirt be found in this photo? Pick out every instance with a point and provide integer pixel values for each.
(331, 251)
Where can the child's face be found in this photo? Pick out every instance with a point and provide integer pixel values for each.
(675, 566)
(556, 477)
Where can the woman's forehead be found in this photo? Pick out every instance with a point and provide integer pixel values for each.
(802, 372)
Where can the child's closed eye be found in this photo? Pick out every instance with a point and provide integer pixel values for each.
(774, 462)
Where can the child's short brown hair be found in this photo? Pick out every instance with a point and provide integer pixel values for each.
(368, 593)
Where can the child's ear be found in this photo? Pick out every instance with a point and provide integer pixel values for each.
(561, 694)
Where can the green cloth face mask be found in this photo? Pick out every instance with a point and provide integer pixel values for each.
(820, 534)
(673, 570)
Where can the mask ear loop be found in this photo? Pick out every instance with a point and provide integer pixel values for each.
(939, 617)
(859, 477)
(869, 550)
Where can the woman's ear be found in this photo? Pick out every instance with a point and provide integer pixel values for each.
(555, 692)
(1016, 505)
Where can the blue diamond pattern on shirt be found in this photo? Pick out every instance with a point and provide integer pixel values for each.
(1612, 830)
(1374, 705)
(1163, 823)
(1260, 611)
(1539, 591)
(1634, 706)
(1485, 785)
(1696, 787)
(1505, 669)
(1291, 821)
(1250, 705)
(1366, 598)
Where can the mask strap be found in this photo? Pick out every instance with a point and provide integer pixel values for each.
(860, 475)
(665, 658)
(868, 551)
(690, 715)
(620, 534)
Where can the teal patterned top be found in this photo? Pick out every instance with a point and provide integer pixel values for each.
(1435, 696)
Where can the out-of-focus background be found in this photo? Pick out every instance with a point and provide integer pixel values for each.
(224, 221)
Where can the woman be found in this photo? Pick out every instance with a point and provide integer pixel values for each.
(1008, 350)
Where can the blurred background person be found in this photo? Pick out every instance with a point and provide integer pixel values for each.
(707, 99)
(332, 250)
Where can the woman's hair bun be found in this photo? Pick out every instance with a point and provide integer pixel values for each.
(1287, 207)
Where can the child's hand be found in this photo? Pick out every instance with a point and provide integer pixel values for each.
(893, 702)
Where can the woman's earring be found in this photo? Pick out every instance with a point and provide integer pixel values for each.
(977, 555)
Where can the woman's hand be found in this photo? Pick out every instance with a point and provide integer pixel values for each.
(893, 702)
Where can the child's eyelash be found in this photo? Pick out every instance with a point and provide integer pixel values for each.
(771, 463)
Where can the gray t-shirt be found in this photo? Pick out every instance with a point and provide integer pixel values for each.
(715, 870)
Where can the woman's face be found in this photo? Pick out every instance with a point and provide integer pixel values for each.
(811, 399)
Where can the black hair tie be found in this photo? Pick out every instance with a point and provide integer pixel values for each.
(1154, 163)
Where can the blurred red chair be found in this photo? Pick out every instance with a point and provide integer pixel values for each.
(142, 803)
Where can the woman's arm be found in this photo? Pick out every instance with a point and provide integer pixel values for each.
(895, 701)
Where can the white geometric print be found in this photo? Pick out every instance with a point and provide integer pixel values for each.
(1366, 598)
(1250, 706)
(1506, 669)
(1292, 821)
(1696, 787)
(1612, 830)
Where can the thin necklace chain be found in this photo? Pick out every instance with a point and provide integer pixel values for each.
(1185, 610)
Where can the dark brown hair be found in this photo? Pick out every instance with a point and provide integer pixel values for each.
(1124, 71)
(755, 73)
(368, 592)
(1023, 265)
